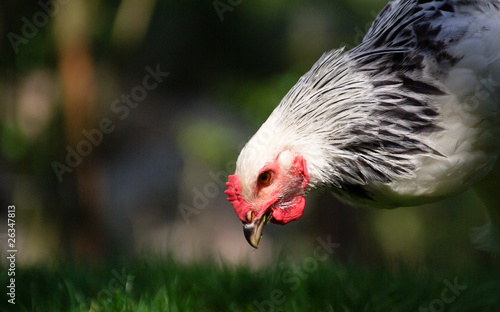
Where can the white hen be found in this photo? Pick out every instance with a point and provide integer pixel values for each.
(409, 116)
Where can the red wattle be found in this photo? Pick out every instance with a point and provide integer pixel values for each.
(288, 214)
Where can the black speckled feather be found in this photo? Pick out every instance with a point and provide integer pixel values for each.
(369, 118)
(410, 116)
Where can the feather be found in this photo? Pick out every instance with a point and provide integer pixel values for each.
(409, 116)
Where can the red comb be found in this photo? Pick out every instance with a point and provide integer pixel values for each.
(234, 196)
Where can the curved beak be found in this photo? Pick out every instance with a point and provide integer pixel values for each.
(253, 230)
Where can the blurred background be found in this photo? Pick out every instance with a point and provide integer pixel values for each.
(120, 121)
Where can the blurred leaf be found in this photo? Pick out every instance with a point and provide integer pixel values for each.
(14, 144)
(206, 141)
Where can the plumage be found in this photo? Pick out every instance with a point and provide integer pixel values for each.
(409, 116)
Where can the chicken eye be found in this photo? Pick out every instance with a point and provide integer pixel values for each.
(265, 178)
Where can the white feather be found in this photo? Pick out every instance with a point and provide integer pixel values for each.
(409, 116)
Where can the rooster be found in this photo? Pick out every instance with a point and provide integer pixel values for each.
(410, 116)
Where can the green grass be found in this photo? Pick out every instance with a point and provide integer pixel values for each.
(165, 285)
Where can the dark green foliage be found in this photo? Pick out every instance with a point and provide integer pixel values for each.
(165, 285)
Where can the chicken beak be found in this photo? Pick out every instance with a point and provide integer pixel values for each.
(253, 230)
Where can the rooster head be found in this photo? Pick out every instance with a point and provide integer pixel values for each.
(275, 193)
